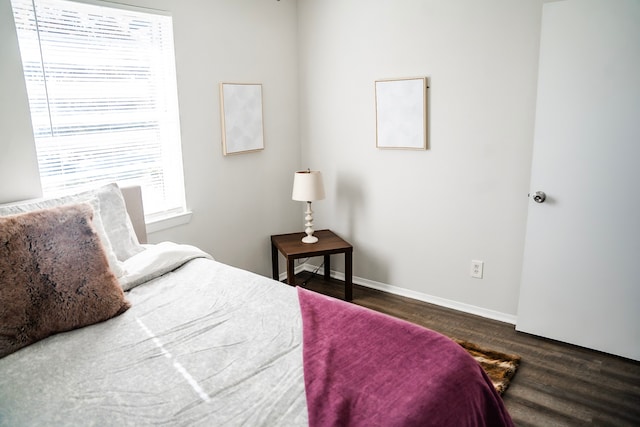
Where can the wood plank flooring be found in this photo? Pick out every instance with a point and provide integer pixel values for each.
(557, 384)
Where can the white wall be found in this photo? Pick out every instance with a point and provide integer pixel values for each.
(19, 178)
(417, 219)
(237, 201)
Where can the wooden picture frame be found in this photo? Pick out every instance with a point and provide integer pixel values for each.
(241, 114)
(401, 113)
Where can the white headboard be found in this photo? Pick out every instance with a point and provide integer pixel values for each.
(133, 200)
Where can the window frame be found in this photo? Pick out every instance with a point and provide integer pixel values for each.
(176, 213)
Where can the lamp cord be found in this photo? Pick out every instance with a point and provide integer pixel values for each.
(313, 274)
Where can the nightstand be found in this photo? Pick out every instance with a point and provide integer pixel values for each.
(292, 248)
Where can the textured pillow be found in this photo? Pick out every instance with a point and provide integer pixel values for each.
(116, 220)
(54, 276)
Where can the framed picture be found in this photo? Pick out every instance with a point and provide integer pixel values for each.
(241, 111)
(401, 113)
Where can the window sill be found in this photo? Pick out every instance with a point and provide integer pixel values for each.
(170, 221)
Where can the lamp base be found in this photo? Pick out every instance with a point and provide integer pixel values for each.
(309, 239)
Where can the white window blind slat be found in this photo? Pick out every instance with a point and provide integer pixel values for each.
(102, 91)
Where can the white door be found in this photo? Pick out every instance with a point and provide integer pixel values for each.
(581, 271)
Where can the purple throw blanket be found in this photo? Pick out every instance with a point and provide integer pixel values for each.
(364, 368)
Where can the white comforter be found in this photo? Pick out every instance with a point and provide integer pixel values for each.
(157, 260)
(205, 344)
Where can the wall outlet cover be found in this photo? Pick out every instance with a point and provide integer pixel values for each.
(477, 268)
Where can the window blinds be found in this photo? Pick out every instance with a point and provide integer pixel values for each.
(103, 98)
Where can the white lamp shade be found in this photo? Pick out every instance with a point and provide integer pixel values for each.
(307, 186)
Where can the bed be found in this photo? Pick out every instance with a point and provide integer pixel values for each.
(181, 339)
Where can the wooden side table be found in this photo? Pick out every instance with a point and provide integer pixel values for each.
(291, 246)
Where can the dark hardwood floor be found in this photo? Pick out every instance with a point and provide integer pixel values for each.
(557, 384)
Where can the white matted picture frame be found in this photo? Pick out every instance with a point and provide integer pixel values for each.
(401, 113)
(241, 113)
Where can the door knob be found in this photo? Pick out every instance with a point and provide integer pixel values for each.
(539, 197)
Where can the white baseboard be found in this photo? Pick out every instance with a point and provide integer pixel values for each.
(443, 302)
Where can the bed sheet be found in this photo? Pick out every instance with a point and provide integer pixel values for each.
(195, 344)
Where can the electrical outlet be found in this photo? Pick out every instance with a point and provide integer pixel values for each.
(476, 269)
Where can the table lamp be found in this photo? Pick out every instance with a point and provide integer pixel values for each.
(308, 187)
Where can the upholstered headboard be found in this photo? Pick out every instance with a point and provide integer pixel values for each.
(133, 200)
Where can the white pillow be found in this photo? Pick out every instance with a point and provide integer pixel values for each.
(33, 205)
(115, 218)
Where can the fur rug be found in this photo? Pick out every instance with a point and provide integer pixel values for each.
(500, 367)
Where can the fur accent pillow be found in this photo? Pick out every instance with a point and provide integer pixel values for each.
(54, 276)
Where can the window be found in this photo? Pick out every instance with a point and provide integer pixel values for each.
(103, 98)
